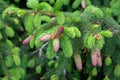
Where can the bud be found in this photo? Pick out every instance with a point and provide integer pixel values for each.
(9, 13)
(78, 61)
(106, 78)
(60, 31)
(89, 78)
(99, 61)
(83, 4)
(98, 36)
(26, 40)
(95, 26)
(45, 37)
(94, 71)
(117, 70)
(108, 61)
(56, 44)
(56, 65)
(94, 58)
(54, 77)
(106, 33)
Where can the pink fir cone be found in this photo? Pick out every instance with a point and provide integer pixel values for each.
(26, 40)
(94, 58)
(78, 61)
(99, 61)
(9, 13)
(56, 44)
(45, 37)
(83, 4)
(60, 30)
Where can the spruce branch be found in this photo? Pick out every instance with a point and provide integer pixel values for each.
(112, 24)
(77, 45)
(40, 12)
(5, 70)
(47, 13)
(46, 26)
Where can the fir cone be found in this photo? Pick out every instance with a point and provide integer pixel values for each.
(83, 4)
(56, 44)
(45, 38)
(78, 61)
(9, 13)
(60, 31)
(99, 61)
(26, 40)
(94, 58)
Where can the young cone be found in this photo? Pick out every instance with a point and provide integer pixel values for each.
(60, 31)
(99, 57)
(45, 38)
(94, 58)
(83, 4)
(78, 61)
(56, 44)
(26, 40)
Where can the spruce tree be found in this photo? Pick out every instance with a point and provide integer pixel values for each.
(59, 40)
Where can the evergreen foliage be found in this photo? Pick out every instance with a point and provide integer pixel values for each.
(59, 40)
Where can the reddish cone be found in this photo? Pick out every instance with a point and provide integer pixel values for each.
(26, 40)
(56, 44)
(83, 4)
(9, 13)
(94, 58)
(60, 31)
(78, 61)
(45, 37)
(99, 61)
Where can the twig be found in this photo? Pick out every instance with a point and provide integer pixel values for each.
(41, 12)
(48, 13)
(64, 71)
(40, 49)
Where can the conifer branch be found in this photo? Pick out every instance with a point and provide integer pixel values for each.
(5, 70)
(47, 13)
